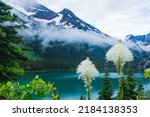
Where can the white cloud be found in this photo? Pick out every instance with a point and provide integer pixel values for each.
(114, 17)
(48, 34)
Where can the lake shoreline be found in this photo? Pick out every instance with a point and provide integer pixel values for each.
(55, 70)
(70, 87)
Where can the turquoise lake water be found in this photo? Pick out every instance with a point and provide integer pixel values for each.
(70, 87)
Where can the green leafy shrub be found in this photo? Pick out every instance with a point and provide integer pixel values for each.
(147, 73)
(36, 89)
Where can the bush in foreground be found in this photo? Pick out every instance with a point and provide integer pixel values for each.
(36, 89)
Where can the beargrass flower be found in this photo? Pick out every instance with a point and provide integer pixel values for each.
(119, 54)
(87, 72)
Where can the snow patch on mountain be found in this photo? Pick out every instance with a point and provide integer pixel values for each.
(21, 15)
(67, 26)
(63, 26)
(20, 6)
(57, 19)
(137, 45)
(42, 20)
(140, 42)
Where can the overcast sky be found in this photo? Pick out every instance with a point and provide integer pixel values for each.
(117, 18)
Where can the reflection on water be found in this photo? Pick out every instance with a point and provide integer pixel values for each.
(70, 87)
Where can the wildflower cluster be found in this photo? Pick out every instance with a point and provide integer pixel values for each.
(87, 69)
(87, 72)
(119, 53)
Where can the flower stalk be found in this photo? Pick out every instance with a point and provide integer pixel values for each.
(119, 54)
(119, 68)
(87, 72)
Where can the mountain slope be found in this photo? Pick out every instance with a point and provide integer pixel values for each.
(140, 43)
(69, 18)
(65, 19)
(145, 39)
(62, 39)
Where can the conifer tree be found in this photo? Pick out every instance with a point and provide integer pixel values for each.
(107, 91)
(140, 92)
(129, 86)
(82, 97)
(11, 47)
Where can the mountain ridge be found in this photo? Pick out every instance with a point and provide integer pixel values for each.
(142, 38)
(42, 14)
(48, 34)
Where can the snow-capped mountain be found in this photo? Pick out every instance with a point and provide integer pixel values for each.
(145, 39)
(142, 42)
(69, 19)
(47, 33)
(31, 8)
(36, 13)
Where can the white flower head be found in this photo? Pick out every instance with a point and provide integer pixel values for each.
(87, 69)
(119, 53)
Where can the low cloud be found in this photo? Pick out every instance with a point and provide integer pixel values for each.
(51, 33)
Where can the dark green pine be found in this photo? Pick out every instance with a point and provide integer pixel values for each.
(11, 45)
(106, 92)
(129, 85)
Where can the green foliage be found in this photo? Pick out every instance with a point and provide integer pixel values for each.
(32, 56)
(36, 89)
(55, 96)
(107, 91)
(11, 46)
(147, 73)
(70, 56)
(5, 13)
(140, 92)
(129, 85)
